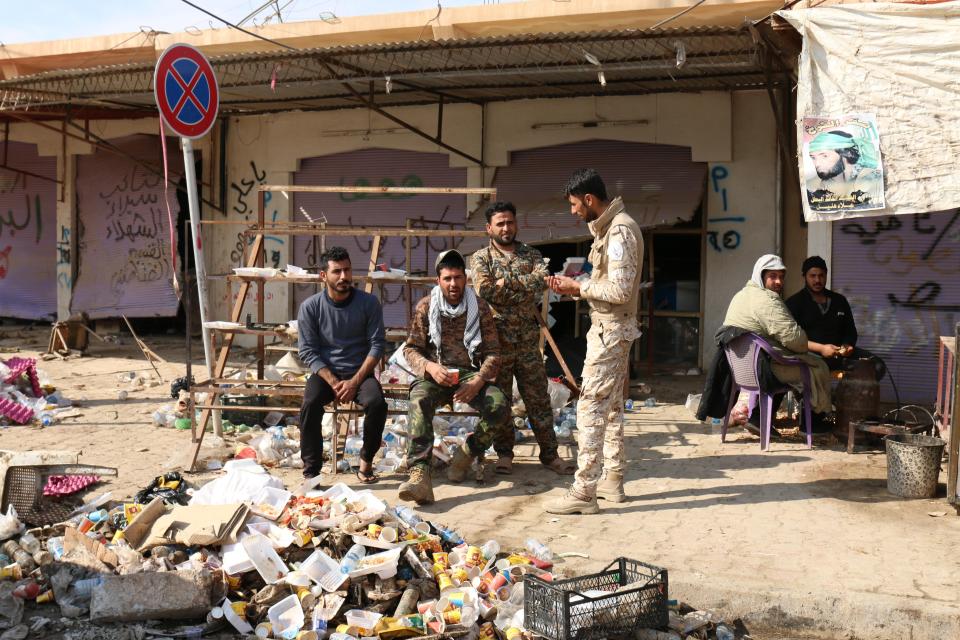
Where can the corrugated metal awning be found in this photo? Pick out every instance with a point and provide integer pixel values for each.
(632, 61)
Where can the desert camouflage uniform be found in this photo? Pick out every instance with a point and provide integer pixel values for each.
(426, 395)
(612, 291)
(514, 306)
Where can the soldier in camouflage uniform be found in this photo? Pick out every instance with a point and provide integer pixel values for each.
(452, 328)
(510, 276)
(612, 291)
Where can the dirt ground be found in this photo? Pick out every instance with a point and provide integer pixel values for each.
(790, 539)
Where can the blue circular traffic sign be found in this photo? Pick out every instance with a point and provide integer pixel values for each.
(186, 91)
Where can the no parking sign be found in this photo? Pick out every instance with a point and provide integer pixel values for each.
(186, 91)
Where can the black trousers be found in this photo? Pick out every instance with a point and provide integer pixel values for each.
(317, 394)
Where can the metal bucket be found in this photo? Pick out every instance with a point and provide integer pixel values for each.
(913, 465)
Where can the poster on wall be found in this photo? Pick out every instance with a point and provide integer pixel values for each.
(842, 168)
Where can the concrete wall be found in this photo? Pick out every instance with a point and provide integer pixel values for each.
(743, 221)
(267, 150)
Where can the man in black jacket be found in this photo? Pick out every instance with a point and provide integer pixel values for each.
(826, 317)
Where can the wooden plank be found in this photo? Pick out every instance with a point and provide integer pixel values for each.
(392, 412)
(374, 256)
(386, 232)
(299, 188)
(221, 363)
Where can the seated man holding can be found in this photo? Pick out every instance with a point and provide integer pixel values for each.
(454, 351)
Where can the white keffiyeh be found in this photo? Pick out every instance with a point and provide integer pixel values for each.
(439, 307)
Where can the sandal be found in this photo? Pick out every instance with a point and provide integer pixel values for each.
(367, 477)
(561, 467)
(504, 465)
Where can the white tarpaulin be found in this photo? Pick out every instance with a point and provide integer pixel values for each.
(901, 63)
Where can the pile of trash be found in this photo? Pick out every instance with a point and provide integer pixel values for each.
(26, 397)
(244, 552)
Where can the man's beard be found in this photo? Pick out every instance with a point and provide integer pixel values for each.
(833, 172)
(343, 285)
(503, 243)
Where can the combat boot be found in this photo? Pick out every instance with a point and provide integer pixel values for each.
(610, 487)
(459, 464)
(570, 504)
(419, 488)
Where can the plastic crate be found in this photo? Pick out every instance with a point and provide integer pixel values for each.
(241, 415)
(627, 595)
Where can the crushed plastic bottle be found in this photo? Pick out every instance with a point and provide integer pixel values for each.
(354, 555)
(628, 404)
(407, 516)
(538, 550)
(724, 632)
(650, 402)
(29, 543)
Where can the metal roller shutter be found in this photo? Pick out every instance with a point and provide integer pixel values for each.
(902, 277)
(28, 234)
(125, 264)
(377, 167)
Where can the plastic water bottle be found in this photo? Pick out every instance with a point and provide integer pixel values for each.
(354, 555)
(46, 418)
(407, 516)
(490, 549)
(84, 587)
(29, 543)
(724, 632)
(564, 430)
(650, 402)
(343, 466)
(628, 404)
(351, 449)
(538, 550)
(449, 535)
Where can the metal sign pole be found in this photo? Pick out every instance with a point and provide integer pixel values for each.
(199, 265)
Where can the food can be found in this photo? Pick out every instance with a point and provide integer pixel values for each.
(513, 633)
(302, 537)
(442, 558)
(437, 569)
(46, 596)
(474, 557)
(11, 572)
(444, 581)
(263, 630)
(373, 530)
(452, 616)
(487, 632)
(306, 597)
(460, 575)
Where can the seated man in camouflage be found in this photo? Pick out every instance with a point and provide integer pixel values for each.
(454, 352)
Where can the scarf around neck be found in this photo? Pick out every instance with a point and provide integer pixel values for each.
(439, 307)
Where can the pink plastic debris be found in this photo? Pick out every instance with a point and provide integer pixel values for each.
(65, 485)
(15, 411)
(20, 366)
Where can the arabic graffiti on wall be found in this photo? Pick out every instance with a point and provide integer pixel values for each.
(245, 203)
(726, 237)
(902, 277)
(28, 278)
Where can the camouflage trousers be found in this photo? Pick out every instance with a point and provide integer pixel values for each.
(525, 362)
(600, 411)
(426, 396)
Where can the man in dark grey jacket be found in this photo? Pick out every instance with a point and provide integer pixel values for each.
(341, 340)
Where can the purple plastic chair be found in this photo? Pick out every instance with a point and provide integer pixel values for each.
(743, 355)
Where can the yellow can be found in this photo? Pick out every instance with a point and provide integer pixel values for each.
(513, 633)
(263, 630)
(306, 597)
(46, 596)
(11, 572)
(239, 608)
(444, 581)
(459, 575)
(437, 569)
(442, 558)
(474, 557)
(302, 537)
(451, 616)
(373, 530)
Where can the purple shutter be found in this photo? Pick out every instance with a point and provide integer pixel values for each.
(125, 264)
(28, 234)
(659, 184)
(902, 277)
(376, 167)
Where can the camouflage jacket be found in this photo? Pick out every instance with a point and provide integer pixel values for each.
(419, 349)
(514, 304)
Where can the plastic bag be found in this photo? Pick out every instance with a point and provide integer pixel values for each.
(10, 524)
(559, 394)
(170, 486)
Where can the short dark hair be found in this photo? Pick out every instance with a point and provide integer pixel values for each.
(500, 207)
(451, 261)
(586, 181)
(333, 254)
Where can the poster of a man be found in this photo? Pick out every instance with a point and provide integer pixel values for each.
(842, 167)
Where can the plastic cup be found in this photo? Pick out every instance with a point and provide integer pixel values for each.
(388, 535)
(455, 374)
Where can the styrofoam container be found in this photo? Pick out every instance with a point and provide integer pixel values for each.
(286, 617)
(265, 560)
(363, 618)
(375, 544)
(235, 559)
(340, 493)
(384, 564)
(269, 502)
(373, 507)
(241, 625)
(280, 537)
(323, 570)
(243, 464)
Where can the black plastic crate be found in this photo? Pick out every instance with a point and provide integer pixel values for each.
(634, 597)
(241, 415)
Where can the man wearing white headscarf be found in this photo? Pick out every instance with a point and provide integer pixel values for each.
(759, 308)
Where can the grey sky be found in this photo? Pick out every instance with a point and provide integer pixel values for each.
(58, 19)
